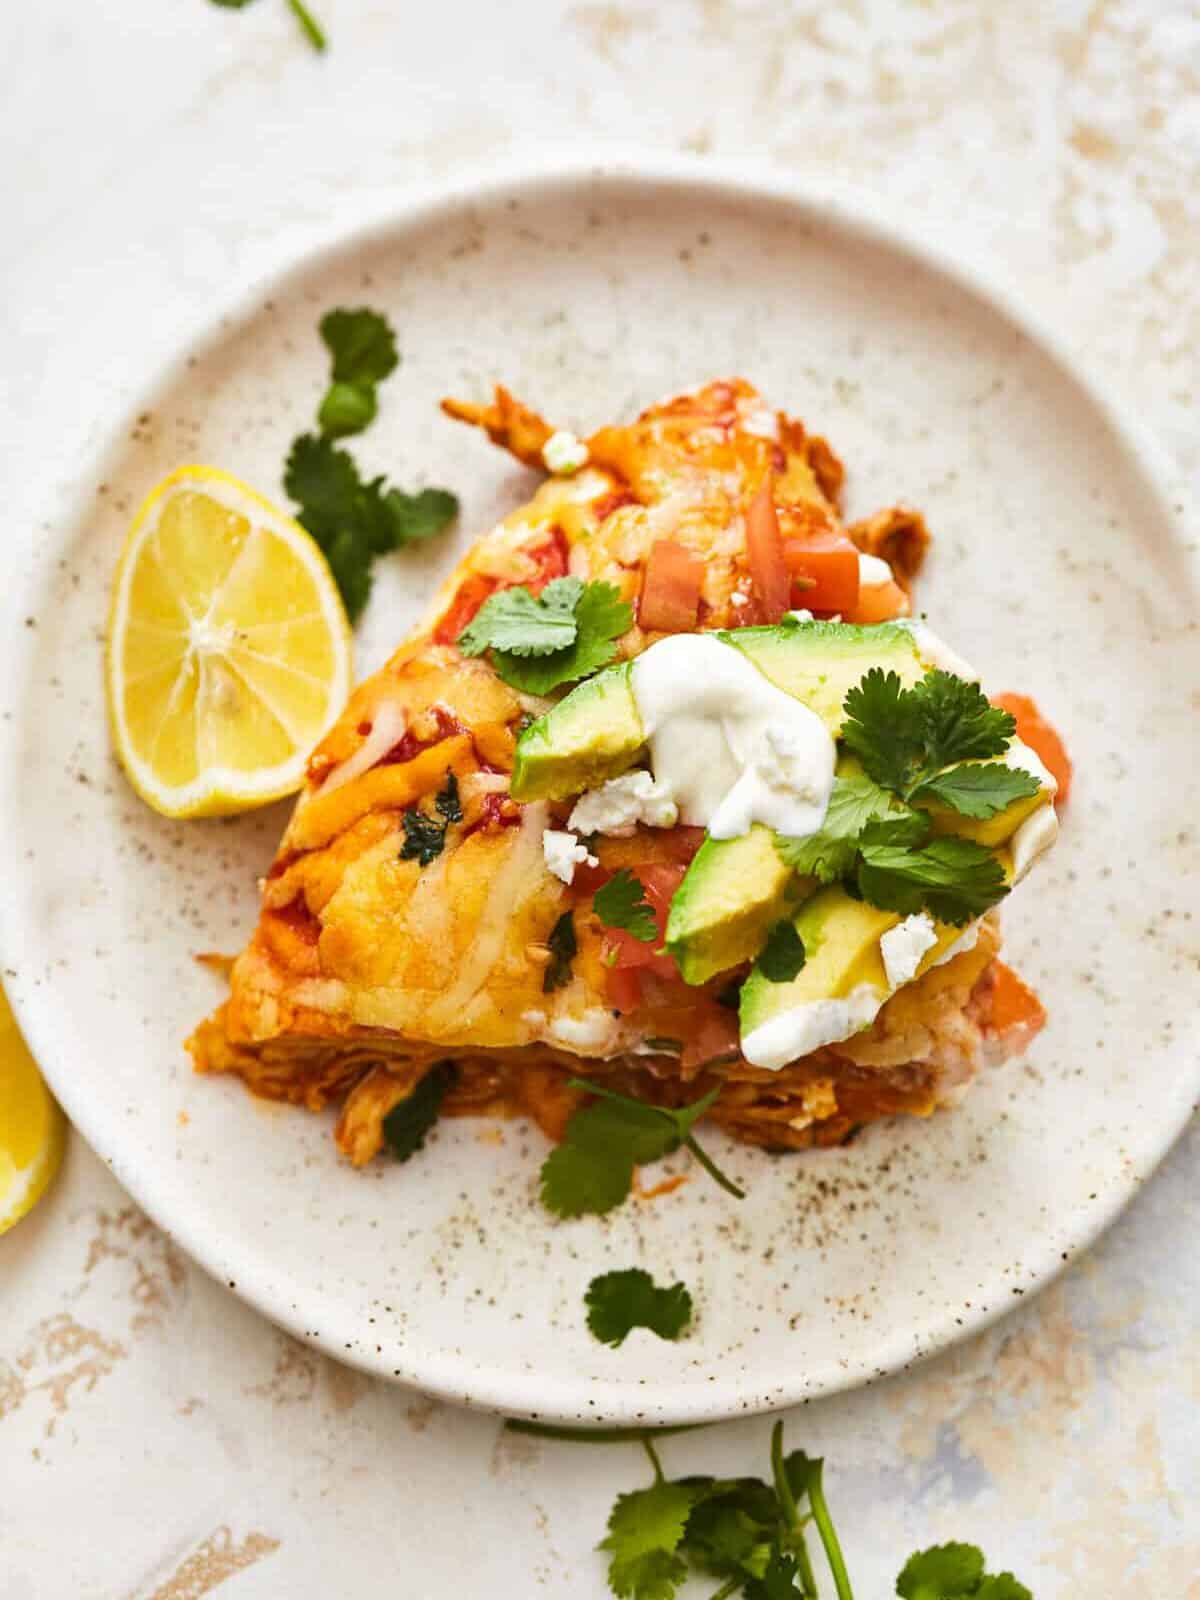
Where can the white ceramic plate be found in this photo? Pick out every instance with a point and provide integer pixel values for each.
(1055, 569)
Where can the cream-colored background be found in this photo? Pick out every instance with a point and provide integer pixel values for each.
(158, 1439)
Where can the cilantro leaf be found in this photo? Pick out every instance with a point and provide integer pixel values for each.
(353, 521)
(361, 343)
(413, 518)
(322, 479)
(881, 728)
(955, 880)
(517, 623)
(578, 1180)
(591, 1171)
(618, 1302)
(783, 954)
(645, 1529)
(958, 721)
(943, 1572)
(778, 1581)
(363, 348)
(1002, 1586)
(731, 1530)
(563, 950)
(978, 791)
(568, 632)
(446, 800)
(905, 737)
(424, 837)
(622, 903)
(406, 1124)
(829, 853)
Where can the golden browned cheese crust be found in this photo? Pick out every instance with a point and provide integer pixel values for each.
(367, 965)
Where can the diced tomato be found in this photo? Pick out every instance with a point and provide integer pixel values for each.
(670, 600)
(551, 558)
(877, 602)
(764, 547)
(659, 884)
(825, 571)
(471, 595)
(624, 989)
(681, 843)
(1041, 737)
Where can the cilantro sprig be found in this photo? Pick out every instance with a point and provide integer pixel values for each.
(907, 738)
(591, 1171)
(618, 1302)
(783, 956)
(539, 642)
(406, 1124)
(355, 519)
(622, 903)
(752, 1535)
(919, 747)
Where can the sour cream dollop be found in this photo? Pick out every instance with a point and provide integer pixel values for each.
(729, 747)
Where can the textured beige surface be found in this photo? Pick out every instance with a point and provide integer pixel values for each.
(157, 1439)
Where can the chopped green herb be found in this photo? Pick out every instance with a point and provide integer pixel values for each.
(591, 1171)
(537, 643)
(563, 950)
(752, 1535)
(618, 1302)
(518, 623)
(424, 838)
(830, 853)
(406, 1124)
(622, 903)
(446, 800)
(902, 869)
(906, 737)
(978, 791)
(363, 348)
(354, 521)
(362, 344)
(782, 956)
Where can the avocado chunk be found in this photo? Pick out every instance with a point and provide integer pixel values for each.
(732, 894)
(820, 662)
(592, 735)
(596, 732)
(843, 963)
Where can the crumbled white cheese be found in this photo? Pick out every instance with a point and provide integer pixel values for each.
(564, 454)
(737, 598)
(563, 852)
(872, 571)
(617, 806)
(904, 946)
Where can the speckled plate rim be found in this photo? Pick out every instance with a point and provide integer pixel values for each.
(159, 1192)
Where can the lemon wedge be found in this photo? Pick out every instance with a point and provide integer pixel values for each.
(228, 648)
(32, 1128)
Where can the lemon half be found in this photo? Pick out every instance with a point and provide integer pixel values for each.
(32, 1128)
(228, 648)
